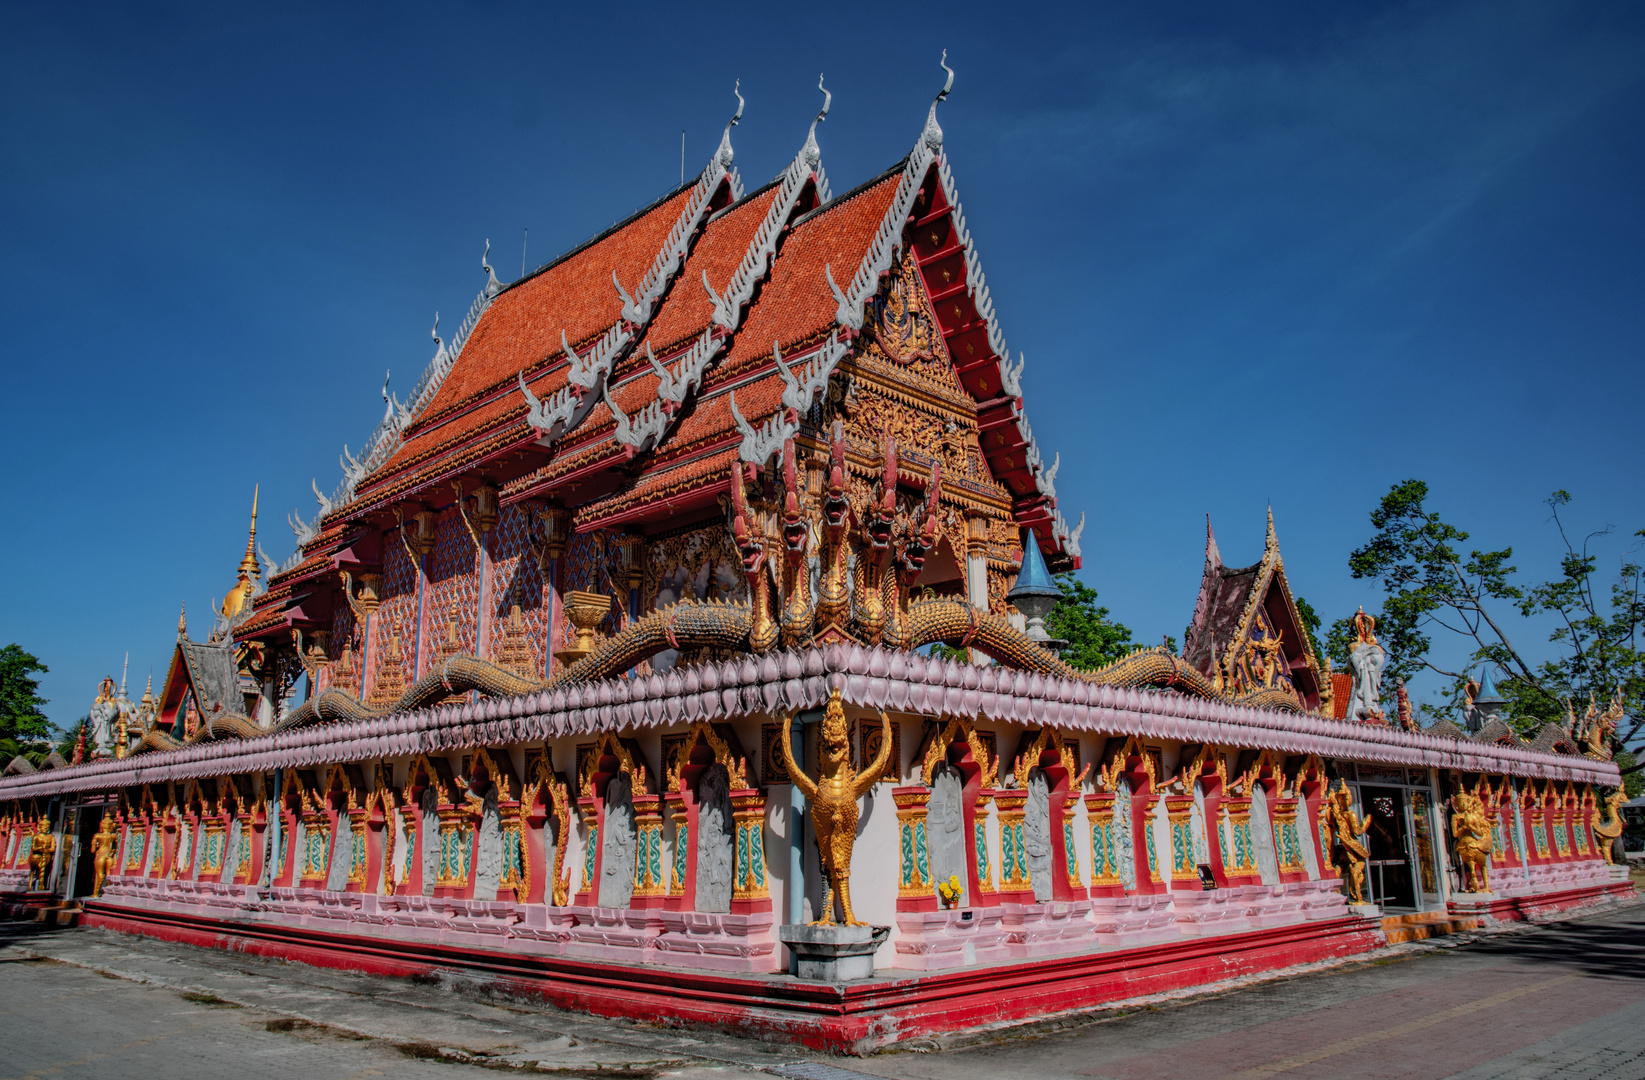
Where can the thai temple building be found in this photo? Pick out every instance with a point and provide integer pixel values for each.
(605, 675)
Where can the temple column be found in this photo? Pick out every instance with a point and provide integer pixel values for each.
(749, 889)
(1287, 841)
(1179, 811)
(915, 889)
(1015, 886)
(356, 819)
(976, 570)
(1105, 870)
(650, 885)
(411, 818)
(679, 895)
(591, 850)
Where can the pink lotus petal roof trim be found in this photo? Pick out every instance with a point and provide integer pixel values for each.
(898, 682)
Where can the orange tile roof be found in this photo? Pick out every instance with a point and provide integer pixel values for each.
(794, 306)
(796, 303)
(575, 295)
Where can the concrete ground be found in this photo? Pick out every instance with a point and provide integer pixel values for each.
(1561, 1000)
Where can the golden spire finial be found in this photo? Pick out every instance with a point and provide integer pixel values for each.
(249, 566)
(250, 570)
(182, 620)
(1272, 541)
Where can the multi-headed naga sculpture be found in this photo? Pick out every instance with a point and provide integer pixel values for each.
(833, 797)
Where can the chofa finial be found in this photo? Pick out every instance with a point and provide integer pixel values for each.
(724, 154)
(811, 151)
(828, 100)
(933, 130)
(493, 286)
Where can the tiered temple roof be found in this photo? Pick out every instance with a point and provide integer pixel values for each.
(724, 283)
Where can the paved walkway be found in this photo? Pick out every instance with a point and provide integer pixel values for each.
(1565, 1000)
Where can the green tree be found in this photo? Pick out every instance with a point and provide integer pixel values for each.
(1093, 638)
(1311, 624)
(1429, 586)
(21, 718)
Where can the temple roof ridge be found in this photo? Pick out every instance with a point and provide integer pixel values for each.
(678, 385)
(566, 408)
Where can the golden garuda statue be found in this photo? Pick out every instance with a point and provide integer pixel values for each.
(1346, 827)
(104, 849)
(833, 797)
(41, 850)
(1471, 830)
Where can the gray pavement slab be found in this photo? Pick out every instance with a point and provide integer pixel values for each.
(1566, 999)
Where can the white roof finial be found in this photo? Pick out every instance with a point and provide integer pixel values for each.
(724, 154)
(812, 152)
(493, 286)
(933, 130)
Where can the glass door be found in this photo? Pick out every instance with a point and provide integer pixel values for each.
(1388, 870)
(1425, 849)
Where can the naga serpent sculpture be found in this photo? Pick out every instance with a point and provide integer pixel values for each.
(732, 627)
(833, 797)
(714, 624)
(453, 676)
(1607, 832)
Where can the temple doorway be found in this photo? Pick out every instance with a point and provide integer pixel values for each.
(78, 857)
(1388, 870)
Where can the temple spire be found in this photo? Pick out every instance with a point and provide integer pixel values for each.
(249, 566)
(182, 621)
(1271, 543)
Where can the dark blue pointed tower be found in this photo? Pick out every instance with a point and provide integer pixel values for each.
(1035, 594)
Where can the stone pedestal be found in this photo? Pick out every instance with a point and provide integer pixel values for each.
(1056, 926)
(1208, 911)
(933, 940)
(718, 941)
(834, 953)
(1133, 919)
(623, 935)
(1321, 898)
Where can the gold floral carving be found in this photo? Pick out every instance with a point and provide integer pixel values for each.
(959, 729)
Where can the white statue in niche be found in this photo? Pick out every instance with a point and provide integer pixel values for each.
(1036, 834)
(945, 829)
(617, 843)
(716, 840)
(1367, 659)
(342, 855)
(429, 836)
(488, 863)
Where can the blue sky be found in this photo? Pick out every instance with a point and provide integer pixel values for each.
(1287, 253)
